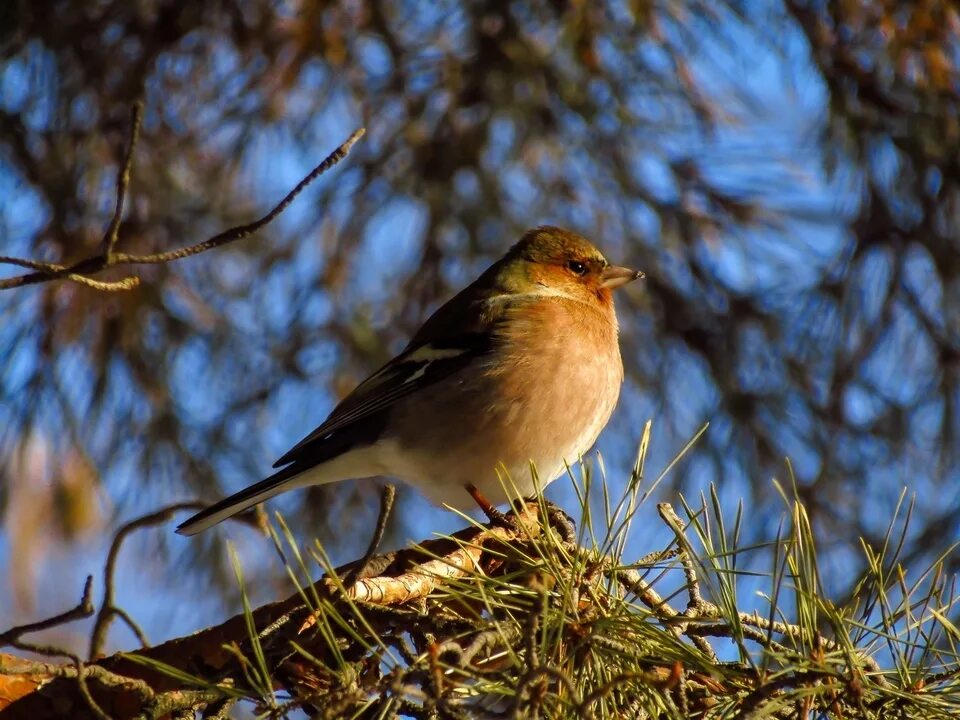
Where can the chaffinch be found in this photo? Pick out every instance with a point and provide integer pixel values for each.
(521, 366)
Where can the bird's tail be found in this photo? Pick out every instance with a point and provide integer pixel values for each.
(228, 507)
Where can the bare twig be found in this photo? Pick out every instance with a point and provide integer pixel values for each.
(123, 182)
(634, 582)
(81, 270)
(83, 609)
(82, 672)
(107, 609)
(697, 607)
(656, 557)
(63, 271)
(161, 704)
(482, 643)
(673, 521)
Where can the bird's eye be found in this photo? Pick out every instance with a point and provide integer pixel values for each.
(576, 267)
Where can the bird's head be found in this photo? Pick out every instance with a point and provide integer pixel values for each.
(554, 261)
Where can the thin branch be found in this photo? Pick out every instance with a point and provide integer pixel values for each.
(133, 625)
(673, 521)
(123, 182)
(108, 610)
(81, 270)
(243, 231)
(697, 607)
(32, 264)
(83, 609)
(82, 672)
(127, 283)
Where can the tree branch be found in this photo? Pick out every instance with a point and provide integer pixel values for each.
(408, 576)
(108, 610)
(81, 270)
(83, 609)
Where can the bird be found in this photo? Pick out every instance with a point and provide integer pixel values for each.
(521, 368)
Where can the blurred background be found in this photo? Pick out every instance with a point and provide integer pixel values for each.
(787, 174)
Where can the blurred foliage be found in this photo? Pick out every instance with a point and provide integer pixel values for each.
(787, 174)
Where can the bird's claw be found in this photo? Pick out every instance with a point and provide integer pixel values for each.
(496, 517)
(558, 520)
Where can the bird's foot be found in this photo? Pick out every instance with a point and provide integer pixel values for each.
(496, 517)
(361, 569)
(556, 517)
(559, 521)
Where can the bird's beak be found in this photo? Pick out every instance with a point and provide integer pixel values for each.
(614, 276)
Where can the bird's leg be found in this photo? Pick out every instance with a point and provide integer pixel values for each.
(359, 570)
(493, 515)
(556, 517)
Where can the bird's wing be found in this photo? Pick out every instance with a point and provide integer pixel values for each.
(457, 334)
(415, 368)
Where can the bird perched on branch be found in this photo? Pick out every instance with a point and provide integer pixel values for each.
(523, 366)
